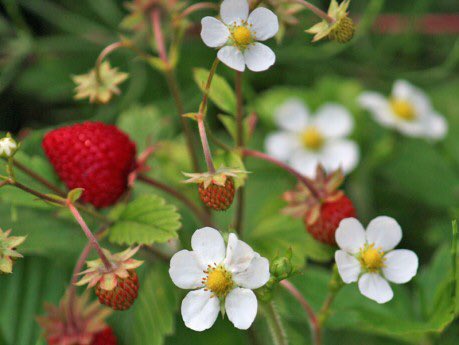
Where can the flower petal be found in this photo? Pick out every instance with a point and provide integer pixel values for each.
(255, 276)
(241, 307)
(340, 153)
(334, 120)
(214, 33)
(232, 57)
(264, 23)
(200, 310)
(350, 235)
(375, 287)
(348, 266)
(384, 232)
(437, 127)
(234, 11)
(208, 245)
(305, 162)
(239, 255)
(259, 57)
(292, 116)
(400, 266)
(281, 145)
(403, 90)
(186, 270)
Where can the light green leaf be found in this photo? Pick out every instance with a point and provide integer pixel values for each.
(154, 315)
(146, 220)
(220, 93)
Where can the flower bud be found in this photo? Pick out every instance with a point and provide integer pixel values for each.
(8, 146)
(281, 267)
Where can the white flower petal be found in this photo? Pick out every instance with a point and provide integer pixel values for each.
(340, 153)
(403, 90)
(255, 276)
(264, 23)
(348, 266)
(209, 246)
(281, 145)
(234, 11)
(400, 266)
(292, 116)
(305, 162)
(214, 33)
(350, 235)
(384, 232)
(375, 287)
(437, 127)
(379, 108)
(259, 57)
(186, 270)
(239, 255)
(200, 310)
(241, 307)
(232, 57)
(334, 120)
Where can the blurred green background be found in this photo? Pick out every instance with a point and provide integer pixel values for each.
(43, 43)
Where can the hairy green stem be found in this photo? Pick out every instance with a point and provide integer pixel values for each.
(240, 144)
(278, 334)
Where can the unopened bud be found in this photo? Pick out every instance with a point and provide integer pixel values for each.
(281, 267)
(8, 146)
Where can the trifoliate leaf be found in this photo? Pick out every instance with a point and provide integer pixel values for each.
(146, 220)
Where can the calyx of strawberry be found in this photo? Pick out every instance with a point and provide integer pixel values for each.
(74, 320)
(302, 204)
(218, 177)
(108, 278)
(8, 251)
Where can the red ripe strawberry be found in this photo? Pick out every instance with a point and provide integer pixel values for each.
(216, 189)
(122, 297)
(93, 156)
(104, 337)
(331, 214)
(218, 197)
(325, 209)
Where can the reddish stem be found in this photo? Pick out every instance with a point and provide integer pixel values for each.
(197, 7)
(305, 180)
(158, 33)
(92, 239)
(317, 11)
(205, 144)
(313, 321)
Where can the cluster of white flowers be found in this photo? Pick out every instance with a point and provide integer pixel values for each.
(306, 140)
(408, 110)
(8, 147)
(368, 257)
(221, 279)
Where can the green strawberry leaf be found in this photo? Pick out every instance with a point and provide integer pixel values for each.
(146, 220)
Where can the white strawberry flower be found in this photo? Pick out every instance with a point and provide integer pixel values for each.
(237, 35)
(408, 110)
(8, 147)
(306, 140)
(369, 257)
(219, 278)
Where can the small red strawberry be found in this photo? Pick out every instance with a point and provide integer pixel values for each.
(321, 215)
(76, 321)
(116, 286)
(217, 189)
(104, 337)
(123, 296)
(94, 156)
(218, 197)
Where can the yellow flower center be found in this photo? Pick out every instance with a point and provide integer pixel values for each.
(218, 280)
(312, 138)
(372, 258)
(403, 109)
(242, 36)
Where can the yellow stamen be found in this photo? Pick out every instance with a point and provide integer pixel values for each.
(219, 281)
(372, 258)
(403, 109)
(312, 138)
(242, 36)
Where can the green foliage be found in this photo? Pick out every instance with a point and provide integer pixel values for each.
(146, 220)
(220, 92)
